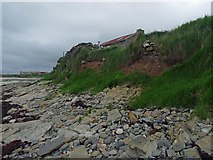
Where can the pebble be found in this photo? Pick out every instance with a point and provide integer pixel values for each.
(113, 152)
(156, 153)
(119, 144)
(170, 152)
(119, 131)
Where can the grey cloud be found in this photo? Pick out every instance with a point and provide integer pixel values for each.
(36, 34)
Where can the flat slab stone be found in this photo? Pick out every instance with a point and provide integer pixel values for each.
(81, 128)
(51, 146)
(113, 115)
(79, 152)
(142, 147)
(26, 131)
(205, 144)
(191, 153)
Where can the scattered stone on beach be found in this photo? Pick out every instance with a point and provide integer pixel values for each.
(66, 127)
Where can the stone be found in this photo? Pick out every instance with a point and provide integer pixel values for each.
(64, 147)
(119, 131)
(103, 135)
(163, 142)
(101, 147)
(178, 146)
(127, 141)
(113, 152)
(12, 121)
(81, 128)
(94, 147)
(118, 144)
(86, 120)
(95, 153)
(170, 152)
(50, 146)
(6, 118)
(113, 115)
(79, 152)
(132, 117)
(38, 132)
(205, 144)
(108, 140)
(69, 134)
(105, 153)
(142, 147)
(206, 129)
(156, 153)
(191, 153)
(190, 125)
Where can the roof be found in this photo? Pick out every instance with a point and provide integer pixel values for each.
(114, 41)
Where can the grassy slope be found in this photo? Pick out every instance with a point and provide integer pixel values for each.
(186, 85)
(189, 84)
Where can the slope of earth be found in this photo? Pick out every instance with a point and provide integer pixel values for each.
(150, 66)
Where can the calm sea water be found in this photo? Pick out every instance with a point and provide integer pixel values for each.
(10, 80)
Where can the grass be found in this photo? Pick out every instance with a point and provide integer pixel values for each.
(97, 81)
(188, 84)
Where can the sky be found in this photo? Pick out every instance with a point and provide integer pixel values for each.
(35, 35)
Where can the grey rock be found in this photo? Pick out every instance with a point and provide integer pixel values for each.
(105, 153)
(79, 152)
(113, 152)
(93, 139)
(81, 128)
(178, 146)
(170, 153)
(142, 147)
(50, 146)
(94, 147)
(6, 118)
(163, 142)
(108, 140)
(119, 131)
(206, 129)
(124, 148)
(64, 147)
(113, 115)
(156, 153)
(95, 153)
(103, 135)
(205, 144)
(118, 144)
(191, 153)
(69, 134)
(76, 143)
(86, 142)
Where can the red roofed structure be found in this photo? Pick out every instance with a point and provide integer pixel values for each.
(120, 39)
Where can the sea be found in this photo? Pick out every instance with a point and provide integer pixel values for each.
(11, 80)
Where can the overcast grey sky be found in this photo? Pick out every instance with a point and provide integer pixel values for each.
(34, 35)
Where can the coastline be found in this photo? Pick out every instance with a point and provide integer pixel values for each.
(40, 122)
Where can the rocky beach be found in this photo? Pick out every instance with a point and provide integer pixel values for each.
(40, 122)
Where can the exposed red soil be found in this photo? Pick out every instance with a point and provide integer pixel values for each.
(150, 66)
(95, 65)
